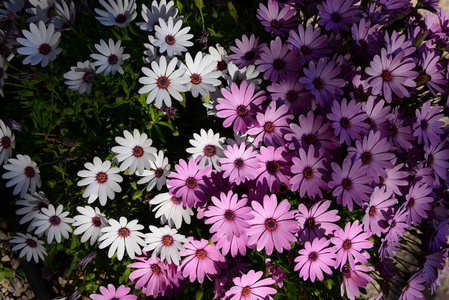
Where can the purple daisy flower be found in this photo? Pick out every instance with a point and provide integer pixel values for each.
(151, 276)
(248, 286)
(366, 36)
(397, 43)
(275, 168)
(381, 201)
(418, 202)
(433, 76)
(427, 126)
(275, 21)
(349, 244)
(121, 293)
(290, 93)
(397, 225)
(187, 182)
(277, 61)
(240, 164)
(308, 170)
(377, 114)
(276, 272)
(394, 179)
(321, 82)
(391, 75)
(273, 124)
(412, 290)
(315, 258)
(399, 134)
(337, 14)
(353, 278)
(438, 238)
(239, 105)
(316, 221)
(272, 225)
(246, 52)
(234, 245)
(309, 42)
(437, 156)
(350, 182)
(348, 120)
(229, 215)
(201, 259)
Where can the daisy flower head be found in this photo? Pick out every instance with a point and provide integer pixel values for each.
(418, 202)
(218, 54)
(121, 293)
(162, 82)
(209, 146)
(240, 163)
(290, 93)
(122, 235)
(111, 57)
(248, 74)
(353, 278)
(249, 286)
(151, 275)
(235, 244)
(171, 38)
(3, 75)
(31, 246)
(433, 76)
(41, 10)
(40, 44)
(437, 158)
(202, 74)
(414, 288)
(169, 209)
(381, 202)
(135, 152)
(428, 125)
(118, 12)
(89, 222)
(101, 180)
(315, 258)
(80, 78)
(274, 20)
(12, 6)
(23, 173)
(32, 205)
(273, 225)
(337, 14)
(159, 9)
(309, 42)
(65, 16)
(247, 51)
(156, 176)
(7, 143)
(165, 243)
(54, 222)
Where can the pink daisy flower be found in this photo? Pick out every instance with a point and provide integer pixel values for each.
(121, 293)
(239, 164)
(418, 202)
(151, 276)
(290, 93)
(275, 21)
(273, 225)
(353, 278)
(249, 287)
(246, 52)
(309, 42)
(234, 245)
(381, 201)
(428, 126)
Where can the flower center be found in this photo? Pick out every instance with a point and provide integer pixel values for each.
(310, 139)
(209, 150)
(163, 82)
(292, 95)
(246, 291)
(124, 232)
(369, 121)
(158, 173)
(366, 157)
(155, 268)
(394, 130)
(381, 180)
(242, 110)
(347, 245)
(121, 18)
(112, 59)
(387, 75)
(167, 240)
(96, 222)
(239, 163)
(191, 182)
(336, 17)
(229, 215)
(345, 123)
(363, 43)
(372, 211)
(430, 159)
(176, 200)
(29, 172)
(393, 224)
(138, 151)
(101, 177)
(305, 49)
(270, 224)
(273, 166)
(249, 55)
(169, 39)
(31, 243)
(222, 65)
(195, 78)
(55, 220)
(318, 83)
(88, 77)
(268, 127)
(346, 183)
(313, 256)
(424, 124)
(278, 64)
(310, 222)
(41, 205)
(44, 49)
(201, 253)
(411, 202)
(275, 23)
(308, 172)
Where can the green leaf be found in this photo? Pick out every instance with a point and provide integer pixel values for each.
(199, 294)
(213, 33)
(232, 11)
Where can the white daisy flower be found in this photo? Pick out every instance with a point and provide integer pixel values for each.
(163, 82)
(118, 12)
(166, 243)
(32, 205)
(171, 38)
(42, 10)
(7, 143)
(161, 10)
(89, 222)
(152, 53)
(169, 208)
(65, 16)
(40, 44)
(134, 152)
(3, 75)
(12, 6)
(111, 58)
(219, 55)
(80, 78)
(101, 181)
(248, 73)
(53, 222)
(122, 235)
(209, 146)
(31, 246)
(23, 173)
(202, 74)
(157, 175)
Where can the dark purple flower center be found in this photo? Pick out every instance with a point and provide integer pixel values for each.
(242, 110)
(249, 55)
(88, 77)
(31, 243)
(270, 224)
(176, 200)
(41, 205)
(246, 291)
(163, 82)
(407, 287)
(191, 182)
(424, 125)
(200, 253)
(278, 64)
(275, 23)
(112, 59)
(366, 157)
(167, 240)
(51, 11)
(209, 150)
(372, 211)
(273, 166)
(229, 215)
(29, 172)
(430, 159)
(393, 224)
(195, 78)
(310, 222)
(387, 75)
(310, 139)
(222, 65)
(101, 177)
(381, 180)
(308, 172)
(318, 83)
(336, 17)
(96, 221)
(155, 269)
(268, 127)
(363, 43)
(169, 39)
(369, 121)
(239, 163)
(124, 232)
(138, 151)
(292, 96)
(425, 77)
(313, 256)
(305, 49)
(411, 202)
(345, 122)
(55, 220)
(158, 173)
(44, 49)
(121, 18)
(346, 183)
(347, 245)
(394, 130)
